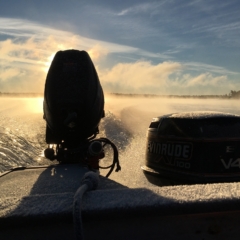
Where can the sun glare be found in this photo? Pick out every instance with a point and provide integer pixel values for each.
(48, 62)
(35, 105)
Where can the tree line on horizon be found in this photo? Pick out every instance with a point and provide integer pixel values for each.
(232, 95)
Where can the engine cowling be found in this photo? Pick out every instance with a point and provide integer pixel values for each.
(73, 98)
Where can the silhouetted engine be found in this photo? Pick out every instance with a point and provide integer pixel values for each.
(73, 107)
(73, 98)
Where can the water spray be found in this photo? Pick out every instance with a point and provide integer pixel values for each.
(73, 107)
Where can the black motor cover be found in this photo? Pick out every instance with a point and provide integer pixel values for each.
(73, 98)
(194, 147)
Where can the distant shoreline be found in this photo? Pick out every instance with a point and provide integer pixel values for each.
(40, 95)
(170, 96)
(22, 95)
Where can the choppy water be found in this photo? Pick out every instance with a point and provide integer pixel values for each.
(22, 130)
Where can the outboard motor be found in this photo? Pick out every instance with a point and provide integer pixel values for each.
(193, 147)
(73, 107)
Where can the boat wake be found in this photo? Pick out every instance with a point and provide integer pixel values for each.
(19, 148)
(16, 150)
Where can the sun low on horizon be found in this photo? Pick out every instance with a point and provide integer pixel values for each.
(138, 47)
(48, 63)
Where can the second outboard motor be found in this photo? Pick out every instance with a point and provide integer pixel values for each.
(73, 107)
(193, 147)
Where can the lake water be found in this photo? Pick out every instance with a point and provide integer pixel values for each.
(22, 130)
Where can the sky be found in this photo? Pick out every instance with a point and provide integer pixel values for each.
(165, 47)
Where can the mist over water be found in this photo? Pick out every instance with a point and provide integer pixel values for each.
(22, 130)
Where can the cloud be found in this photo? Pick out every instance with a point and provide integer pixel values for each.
(197, 66)
(138, 77)
(163, 78)
(205, 79)
(22, 29)
(22, 64)
(97, 52)
(142, 8)
(139, 8)
(27, 50)
(8, 73)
